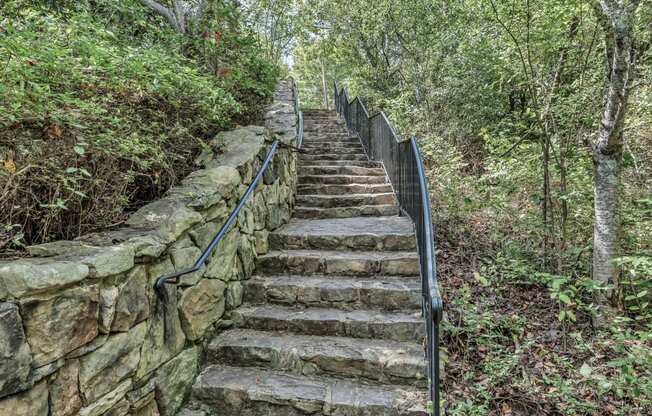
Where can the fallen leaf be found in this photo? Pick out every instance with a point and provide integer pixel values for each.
(9, 165)
(54, 131)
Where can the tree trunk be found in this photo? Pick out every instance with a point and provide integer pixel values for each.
(180, 14)
(323, 85)
(606, 228)
(616, 19)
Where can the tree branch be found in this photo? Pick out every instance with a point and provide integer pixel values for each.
(163, 11)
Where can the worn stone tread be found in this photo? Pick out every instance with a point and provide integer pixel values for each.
(341, 179)
(376, 292)
(349, 263)
(332, 156)
(363, 163)
(360, 323)
(352, 188)
(345, 212)
(361, 233)
(252, 391)
(344, 200)
(388, 362)
(325, 144)
(341, 170)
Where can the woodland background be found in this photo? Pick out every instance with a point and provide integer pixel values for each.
(103, 103)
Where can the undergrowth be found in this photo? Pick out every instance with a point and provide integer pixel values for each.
(103, 108)
(520, 341)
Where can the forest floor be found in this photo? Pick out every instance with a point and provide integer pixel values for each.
(509, 353)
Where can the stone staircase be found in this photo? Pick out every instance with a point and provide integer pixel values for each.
(331, 323)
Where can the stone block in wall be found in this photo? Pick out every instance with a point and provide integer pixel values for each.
(145, 243)
(281, 120)
(148, 409)
(119, 409)
(239, 148)
(108, 401)
(142, 392)
(234, 292)
(206, 187)
(261, 244)
(165, 337)
(201, 306)
(246, 219)
(169, 217)
(217, 213)
(108, 299)
(247, 255)
(223, 263)
(203, 234)
(101, 261)
(33, 402)
(32, 276)
(103, 369)
(96, 343)
(65, 399)
(3, 290)
(132, 304)
(183, 258)
(15, 355)
(172, 384)
(259, 210)
(60, 323)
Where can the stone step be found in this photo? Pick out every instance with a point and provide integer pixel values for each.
(361, 323)
(320, 112)
(340, 150)
(333, 141)
(341, 179)
(317, 129)
(362, 163)
(363, 233)
(345, 212)
(324, 123)
(323, 119)
(340, 170)
(387, 362)
(332, 147)
(382, 293)
(354, 263)
(238, 391)
(313, 138)
(353, 200)
(330, 138)
(332, 156)
(354, 188)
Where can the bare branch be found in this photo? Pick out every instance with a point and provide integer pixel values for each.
(163, 11)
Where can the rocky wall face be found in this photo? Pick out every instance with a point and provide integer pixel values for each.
(81, 329)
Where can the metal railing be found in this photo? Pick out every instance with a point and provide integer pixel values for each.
(404, 167)
(173, 278)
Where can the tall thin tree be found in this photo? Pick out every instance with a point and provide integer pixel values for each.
(616, 18)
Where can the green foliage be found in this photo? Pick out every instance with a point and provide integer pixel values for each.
(230, 51)
(103, 107)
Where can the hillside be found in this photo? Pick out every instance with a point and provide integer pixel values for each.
(103, 107)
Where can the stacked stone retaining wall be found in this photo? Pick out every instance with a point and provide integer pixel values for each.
(81, 329)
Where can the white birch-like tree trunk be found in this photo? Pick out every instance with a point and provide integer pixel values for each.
(616, 18)
(179, 14)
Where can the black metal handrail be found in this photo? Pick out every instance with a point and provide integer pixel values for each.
(404, 167)
(173, 278)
